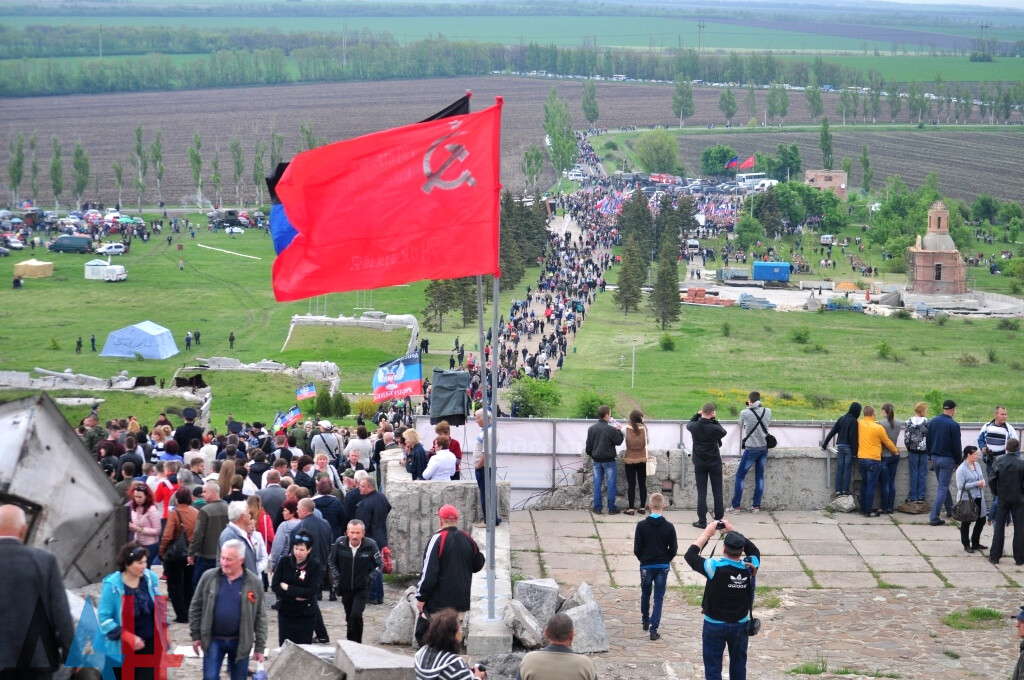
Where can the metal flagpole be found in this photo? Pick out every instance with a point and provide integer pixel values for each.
(486, 442)
(491, 475)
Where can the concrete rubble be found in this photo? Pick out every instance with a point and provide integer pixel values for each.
(539, 596)
(363, 662)
(292, 661)
(524, 626)
(581, 596)
(400, 625)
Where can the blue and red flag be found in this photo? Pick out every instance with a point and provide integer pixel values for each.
(306, 392)
(733, 162)
(288, 419)
(399, 378)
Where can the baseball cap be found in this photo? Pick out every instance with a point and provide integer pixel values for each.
(448, 512)
(324, 424)
(1019, 615)
(948, 404)
(734, 540)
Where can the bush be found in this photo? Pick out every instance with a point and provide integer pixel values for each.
(934, 399)
(726, 329)
(364, 406)
(801, 336)
(992, 358)
(1008, 325)
(942, 318)
(54, 344)
(611, 145)
(323, 403)
(884, 350)
(902, 313)
(667, 343)
(1015, 287)
(587, 404)
(968, 360)
(340, 405)
(534, 397)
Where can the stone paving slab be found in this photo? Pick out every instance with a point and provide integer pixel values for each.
(826, 562)
(924, 532)
(845, 579)
(574, 544)
(942, 550)
(628, 578)
(616, 530)
(566, 529)
(561, 516)
(755, 531)
(801, 517)
(898, 545)
(522, 539)
(820, 547)
(780, 563)
(578, 561)
(517, 517)
(773, 546)
(527, 563)
(911, 579)
(573, 577)
(873, 531)
(784, 579)
(624, 546)
(974, 577)
(815, 532)
(905, 563)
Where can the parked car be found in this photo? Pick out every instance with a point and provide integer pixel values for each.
(13, 242)
(111, 249)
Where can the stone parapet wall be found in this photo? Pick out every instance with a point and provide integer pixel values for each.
(414, 505)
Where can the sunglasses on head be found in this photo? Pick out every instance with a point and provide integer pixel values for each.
(304, 540)
(137, 554)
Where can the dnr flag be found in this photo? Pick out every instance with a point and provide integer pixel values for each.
(399, 378)
(306, 392)
(733, 162)
(288, 419)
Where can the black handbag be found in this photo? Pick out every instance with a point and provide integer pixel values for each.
(177, 551)
(770, 442)
(965, 509)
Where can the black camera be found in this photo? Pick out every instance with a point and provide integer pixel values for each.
(721, 525)
(753, 626)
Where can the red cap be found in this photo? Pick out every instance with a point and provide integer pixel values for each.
(448, 512)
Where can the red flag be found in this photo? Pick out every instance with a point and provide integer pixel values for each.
(400, 205)
(748, 164)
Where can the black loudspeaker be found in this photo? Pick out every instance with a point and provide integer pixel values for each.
(449, 397)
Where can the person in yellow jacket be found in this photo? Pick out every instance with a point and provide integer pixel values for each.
(871, 437)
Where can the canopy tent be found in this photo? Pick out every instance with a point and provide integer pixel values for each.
(33, 269)
(94, 269)
(146, 339)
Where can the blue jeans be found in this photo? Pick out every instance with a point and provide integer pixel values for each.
(888, 479)
(377, 588)
(213, 659)
(844, 468)
(716, 637)
(202, 565)
(657, 578)
(944, 471)
(756, 458)
(602, 470)
(869, 472)
(918, 475)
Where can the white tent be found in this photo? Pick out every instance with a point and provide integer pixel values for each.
(146, 339)
(94, 269)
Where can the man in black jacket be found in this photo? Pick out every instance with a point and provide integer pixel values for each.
(602, 438)
(320, 530)
(845, 432)
(1008, 486)
(449, 562)
(707, 462)
(654, 544)
(728, 598)
(355, 562)
(184, 434)
(373, 511)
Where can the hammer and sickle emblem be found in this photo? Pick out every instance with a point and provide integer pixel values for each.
(456, 152)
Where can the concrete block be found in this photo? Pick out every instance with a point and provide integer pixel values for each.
(523, 625)
(539, 596)
(400, 625)
(363, 662)
(590, 632)
(292, 661)
(581, 596)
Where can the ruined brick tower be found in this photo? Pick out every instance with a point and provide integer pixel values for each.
(936, 266)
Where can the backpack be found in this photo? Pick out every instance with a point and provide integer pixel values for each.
(914, 436)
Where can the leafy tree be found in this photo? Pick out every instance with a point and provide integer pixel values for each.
(778, 102)
(533, 164)
(866, 172)
(558, 126)
(727, 104)
(790, 165)
(657, 151)
(118, 177)
(1009, 211)
(790, 202)
(141, 162)
(751, 100)
(33, 141)
(748, 232)
(80, 163)
(215, 178)
(237, 167)
(846, 106)
(259, 172)
(632, 273)
(665, 296)
(825, 144)
(442, 297)
(56, 171)
(682, 99)
(714, 158)
(894, 100)
(768, 212)
(984, 208)
(875, 100)
(635, 220)
(308, 138)
(813, 96)
(534, 397)
(847, 165)
(276, 150)
(590, 109)
(195, 160)
(16, 165)
(156, 154)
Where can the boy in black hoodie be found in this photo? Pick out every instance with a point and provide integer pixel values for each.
(845, 432)
(654, 544)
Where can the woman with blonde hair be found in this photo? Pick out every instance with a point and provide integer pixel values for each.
(636, 460)
(415, 459)
(915, 439)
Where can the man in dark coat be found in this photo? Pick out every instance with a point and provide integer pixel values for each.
(602, 438)
(184, 434)
(320, 530)
(707, 462)
(845, 431)
(36, 626)
(373, 511)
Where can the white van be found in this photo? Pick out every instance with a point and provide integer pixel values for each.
(827, 239)
(115, 272)
(693, 246)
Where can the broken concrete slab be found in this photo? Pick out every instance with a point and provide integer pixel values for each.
(590, 632)
(582, 595)
(523, 624)
(400, 625)
(292, 661)
(539, 596)
(363, 662)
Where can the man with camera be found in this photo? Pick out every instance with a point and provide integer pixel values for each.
(728, 599)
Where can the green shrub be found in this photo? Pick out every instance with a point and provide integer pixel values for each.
(884, 350)
(323, 403)
(611, 145)
(992, 358)
(968, 360)
(587, 403)
(364, 406)
(942, 318)
(535, 397)
(1015, 287)
(340, 405)
(1003, 325)
(667, 342)
(902, 313)
(726, 329)
(54, 344)
(801, 336)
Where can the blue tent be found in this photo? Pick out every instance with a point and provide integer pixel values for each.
(146, 339)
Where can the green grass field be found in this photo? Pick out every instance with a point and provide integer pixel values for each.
(569, 30)
(923, 68)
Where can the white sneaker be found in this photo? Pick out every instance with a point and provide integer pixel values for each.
(755, 510)
(735, 511)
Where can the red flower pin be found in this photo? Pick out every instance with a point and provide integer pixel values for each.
(252, 596)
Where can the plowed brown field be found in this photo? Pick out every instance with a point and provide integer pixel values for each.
(967, 162)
